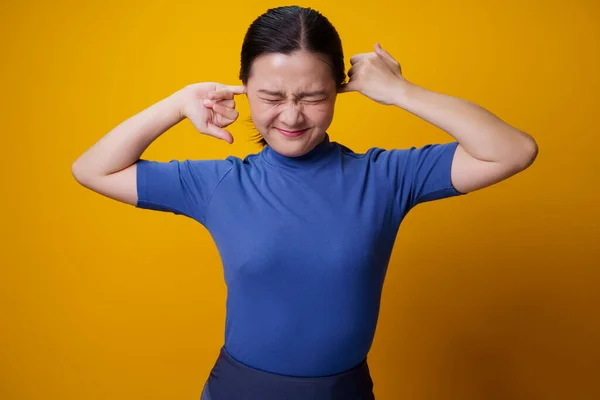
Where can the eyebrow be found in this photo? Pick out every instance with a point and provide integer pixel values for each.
(301, 94)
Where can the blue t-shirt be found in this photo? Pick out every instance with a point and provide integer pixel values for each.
(304, 241)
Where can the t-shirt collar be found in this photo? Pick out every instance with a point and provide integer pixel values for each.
(318, 156)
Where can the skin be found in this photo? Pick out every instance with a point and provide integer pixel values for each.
(291, 92)
(489, 150)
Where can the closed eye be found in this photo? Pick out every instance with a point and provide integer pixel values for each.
(311, 101)
(270, 100)
(315, 101)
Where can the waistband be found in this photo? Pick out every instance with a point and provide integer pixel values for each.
(231, 380)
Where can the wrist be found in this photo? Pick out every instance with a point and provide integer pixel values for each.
(179, 101)
(402, 91)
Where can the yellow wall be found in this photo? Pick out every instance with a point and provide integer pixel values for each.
(494, 295)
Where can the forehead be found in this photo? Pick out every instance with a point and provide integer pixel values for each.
(299, 71)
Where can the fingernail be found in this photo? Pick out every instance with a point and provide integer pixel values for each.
(207, 102)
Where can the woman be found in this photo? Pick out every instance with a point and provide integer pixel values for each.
(305, 228)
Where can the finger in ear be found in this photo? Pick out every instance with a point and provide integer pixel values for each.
(345, 88)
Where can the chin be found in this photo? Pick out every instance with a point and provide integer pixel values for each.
(289, 149)
(292, 147)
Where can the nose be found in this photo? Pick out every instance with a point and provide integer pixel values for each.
(292, 116)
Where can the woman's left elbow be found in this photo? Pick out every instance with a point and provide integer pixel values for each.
(528, 152)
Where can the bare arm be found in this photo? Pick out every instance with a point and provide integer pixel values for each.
(489, 150)
(109, 166)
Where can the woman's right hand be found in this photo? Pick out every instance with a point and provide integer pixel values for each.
(210, 106)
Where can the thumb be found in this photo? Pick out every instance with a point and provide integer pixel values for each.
(219, 133)
(207, 128)
(383, 53)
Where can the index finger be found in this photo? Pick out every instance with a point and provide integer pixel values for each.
(226, 93)
(237, 89)
(357, 57)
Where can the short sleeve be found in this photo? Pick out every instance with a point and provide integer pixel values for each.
(420, 174)
(180, 187)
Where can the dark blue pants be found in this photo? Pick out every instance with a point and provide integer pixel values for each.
(231, 380)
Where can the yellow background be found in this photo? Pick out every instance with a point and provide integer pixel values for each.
(494, 295)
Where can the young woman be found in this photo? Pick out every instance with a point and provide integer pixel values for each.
(305, 228)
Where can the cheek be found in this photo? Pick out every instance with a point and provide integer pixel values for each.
(262, 114)
(320, 114)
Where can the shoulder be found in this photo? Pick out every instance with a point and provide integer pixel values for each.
(349, 153)
(374, 154)
(215, 166)
(220, 166)
(408, 154)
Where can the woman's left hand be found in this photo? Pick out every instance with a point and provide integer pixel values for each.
(376, 75)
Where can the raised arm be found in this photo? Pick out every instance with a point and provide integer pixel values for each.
(489, 150)
(109, 166)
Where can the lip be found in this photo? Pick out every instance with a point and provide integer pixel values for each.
(291, 133)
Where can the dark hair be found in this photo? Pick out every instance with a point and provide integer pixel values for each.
(289, 29)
